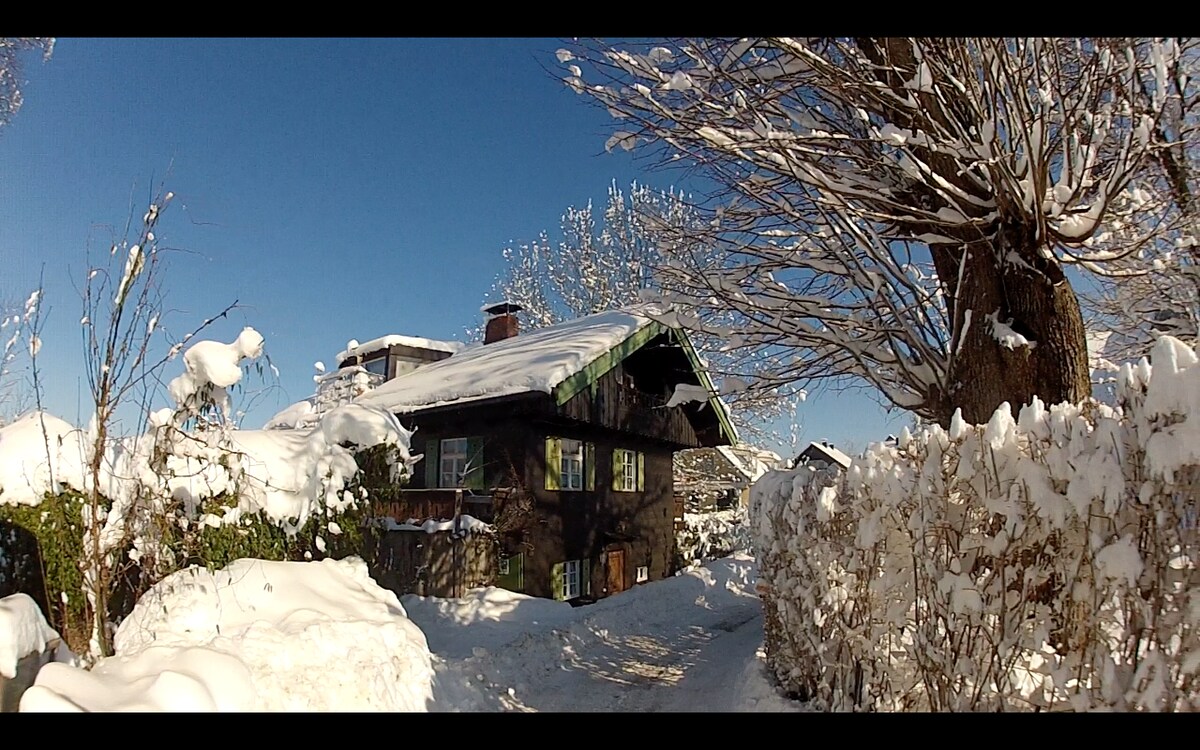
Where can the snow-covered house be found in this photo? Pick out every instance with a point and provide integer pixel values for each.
(719, 478)
(822, 454)
(573, 417)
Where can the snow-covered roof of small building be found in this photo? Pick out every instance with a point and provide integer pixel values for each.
(354, 349)
(750, 461)
(829, 453)
(535, 361)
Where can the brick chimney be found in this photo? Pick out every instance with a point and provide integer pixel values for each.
(502, 321)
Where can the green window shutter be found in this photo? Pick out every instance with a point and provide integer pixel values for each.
(641, 470)
(585, 576)
(589, 465)
(556, 581)
(617, 472)
(431, 463)
(553, 463)
(474, 476)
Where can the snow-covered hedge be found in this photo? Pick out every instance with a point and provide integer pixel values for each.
(1043, 562)
(708, 536)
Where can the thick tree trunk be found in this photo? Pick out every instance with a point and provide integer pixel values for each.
(1005, 282)
(1000, 276)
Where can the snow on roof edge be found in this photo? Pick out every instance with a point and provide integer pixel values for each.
(393, 339)
(537, 361)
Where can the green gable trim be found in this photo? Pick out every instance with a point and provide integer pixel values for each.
(605, 362)
(718, 406)
(589, 375)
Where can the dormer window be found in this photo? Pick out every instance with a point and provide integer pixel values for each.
(377, 366)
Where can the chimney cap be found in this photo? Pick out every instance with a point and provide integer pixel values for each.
(501, 308)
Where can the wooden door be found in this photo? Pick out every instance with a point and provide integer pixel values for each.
(616, 570)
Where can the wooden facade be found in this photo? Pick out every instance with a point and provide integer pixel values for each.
(440, 564)
(610, 530)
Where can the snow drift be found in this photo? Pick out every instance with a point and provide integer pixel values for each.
(255, 636)
(23, 631)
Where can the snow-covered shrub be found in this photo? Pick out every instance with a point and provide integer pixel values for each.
(192, 489)
(1043, 562)
(708, 536)
(40, 549)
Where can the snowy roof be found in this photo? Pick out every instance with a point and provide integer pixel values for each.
(354, 348)
(747, 460)
(829, 453)
(536, 361)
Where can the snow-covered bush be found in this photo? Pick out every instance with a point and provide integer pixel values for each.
(708, 536)
(1046, 562)
(192, 489)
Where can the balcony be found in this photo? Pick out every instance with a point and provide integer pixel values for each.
(646, 414)
(441, 503)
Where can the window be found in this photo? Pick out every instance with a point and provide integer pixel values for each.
(454, 462)
(572, 464)
(454, 454)
(377, 366)
(504, 566)
(628, 470)
(570, 579)
(643, 574)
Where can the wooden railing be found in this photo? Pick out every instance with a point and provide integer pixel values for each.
(440, 503)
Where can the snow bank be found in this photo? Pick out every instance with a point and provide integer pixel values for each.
(23, 631)
(500, 632)
(293, 416)
(256, 636)
(1046, 561)
(287, 475)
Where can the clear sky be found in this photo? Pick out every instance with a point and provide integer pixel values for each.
(336, 188)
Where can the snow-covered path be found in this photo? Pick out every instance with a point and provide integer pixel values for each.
(689, 643)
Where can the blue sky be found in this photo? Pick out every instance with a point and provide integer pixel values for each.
(336, 188)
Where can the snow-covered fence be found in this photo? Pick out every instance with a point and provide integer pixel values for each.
(707, 536)
(1043, 562)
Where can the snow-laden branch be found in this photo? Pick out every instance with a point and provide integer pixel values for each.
(854, 174)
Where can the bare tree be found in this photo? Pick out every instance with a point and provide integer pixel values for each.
(1157, 290)
(615, 261)
(902, 212)
(13, 398)
(591, 268)
(123, 306)
(15, 320)
(11, 50)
